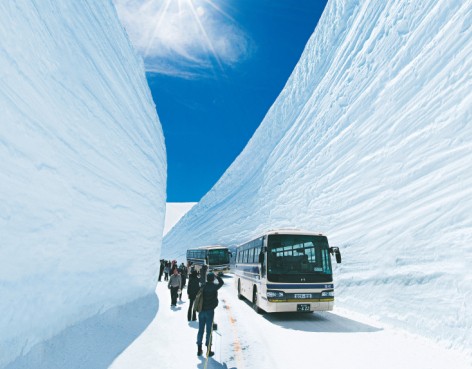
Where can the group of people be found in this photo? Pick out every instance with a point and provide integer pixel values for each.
(176, 280)
(197, 279)
(167, 267)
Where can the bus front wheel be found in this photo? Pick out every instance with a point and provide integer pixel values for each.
(254, 302)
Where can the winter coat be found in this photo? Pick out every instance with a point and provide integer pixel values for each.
(183, 271)
(175, 281)
(193, 286)
(210, 294)
(203, 273)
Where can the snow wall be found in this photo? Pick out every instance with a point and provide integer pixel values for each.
(370, 143)
(82, 170)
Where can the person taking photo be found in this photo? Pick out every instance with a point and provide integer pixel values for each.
(207, 314)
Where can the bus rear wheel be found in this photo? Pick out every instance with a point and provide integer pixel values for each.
(254, 302)
(239, 290)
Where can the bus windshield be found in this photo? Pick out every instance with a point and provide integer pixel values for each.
(218, 256)
(292, 258)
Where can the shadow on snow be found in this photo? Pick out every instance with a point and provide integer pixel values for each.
(212, 364)
(92, 343)
(319, 322)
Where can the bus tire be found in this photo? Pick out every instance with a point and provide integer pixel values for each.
(256, 308)
(239, 290)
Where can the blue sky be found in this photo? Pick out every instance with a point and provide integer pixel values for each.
(214, 69)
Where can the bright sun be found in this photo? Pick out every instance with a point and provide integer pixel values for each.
(192, 15)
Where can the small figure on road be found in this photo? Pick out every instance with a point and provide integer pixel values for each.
(174, 285)
(192, 289)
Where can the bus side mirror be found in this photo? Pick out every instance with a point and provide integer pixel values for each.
(336, 252)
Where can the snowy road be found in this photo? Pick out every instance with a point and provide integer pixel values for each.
(246, 340)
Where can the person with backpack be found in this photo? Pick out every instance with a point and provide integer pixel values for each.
(207, 313)
(192, 290)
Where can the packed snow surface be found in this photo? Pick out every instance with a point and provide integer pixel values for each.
(245, 340)
(370, 143)
(82, 170)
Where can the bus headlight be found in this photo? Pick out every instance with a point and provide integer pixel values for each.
(327, 294)
(275, 294)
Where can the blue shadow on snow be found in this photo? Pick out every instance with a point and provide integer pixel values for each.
(93, 343)
(319, 322)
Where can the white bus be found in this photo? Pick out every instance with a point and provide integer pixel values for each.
(286, 270)
(216, 257)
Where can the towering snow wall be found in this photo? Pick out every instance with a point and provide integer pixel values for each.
(82, 170)
(370, 143)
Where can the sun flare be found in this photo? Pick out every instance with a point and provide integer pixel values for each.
(184, 35)
(196, 15)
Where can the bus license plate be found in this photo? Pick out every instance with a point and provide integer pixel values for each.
(303, 307)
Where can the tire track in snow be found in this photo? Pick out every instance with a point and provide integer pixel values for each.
(236, 343)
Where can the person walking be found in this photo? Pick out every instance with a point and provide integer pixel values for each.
(192, 290)
(203, 272)
(174, 285)
(206, 316)
(166, 270)
(183, 275)
(173, 266)
(161, 269)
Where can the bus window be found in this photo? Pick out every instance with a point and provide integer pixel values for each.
(251, 255)
(298, 254)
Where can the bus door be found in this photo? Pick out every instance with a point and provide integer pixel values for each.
(263, 259)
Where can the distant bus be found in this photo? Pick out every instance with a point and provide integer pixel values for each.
(286, 270)
(216, 257)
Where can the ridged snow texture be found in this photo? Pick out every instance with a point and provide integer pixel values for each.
(82, 169)
(370, 143)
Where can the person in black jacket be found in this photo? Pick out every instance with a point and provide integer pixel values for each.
(166, 270)
(203, 273)
(192, 290)
(183, 274)
(161, 268)
(206, 316)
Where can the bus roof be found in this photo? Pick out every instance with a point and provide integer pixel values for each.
(209, 247)
(292, 231)
(295, 231)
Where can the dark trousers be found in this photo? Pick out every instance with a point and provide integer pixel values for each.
(189, 312)
(161, 271)
(182, 288)
(173, 295)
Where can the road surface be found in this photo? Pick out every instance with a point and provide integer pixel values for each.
(246, 340)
